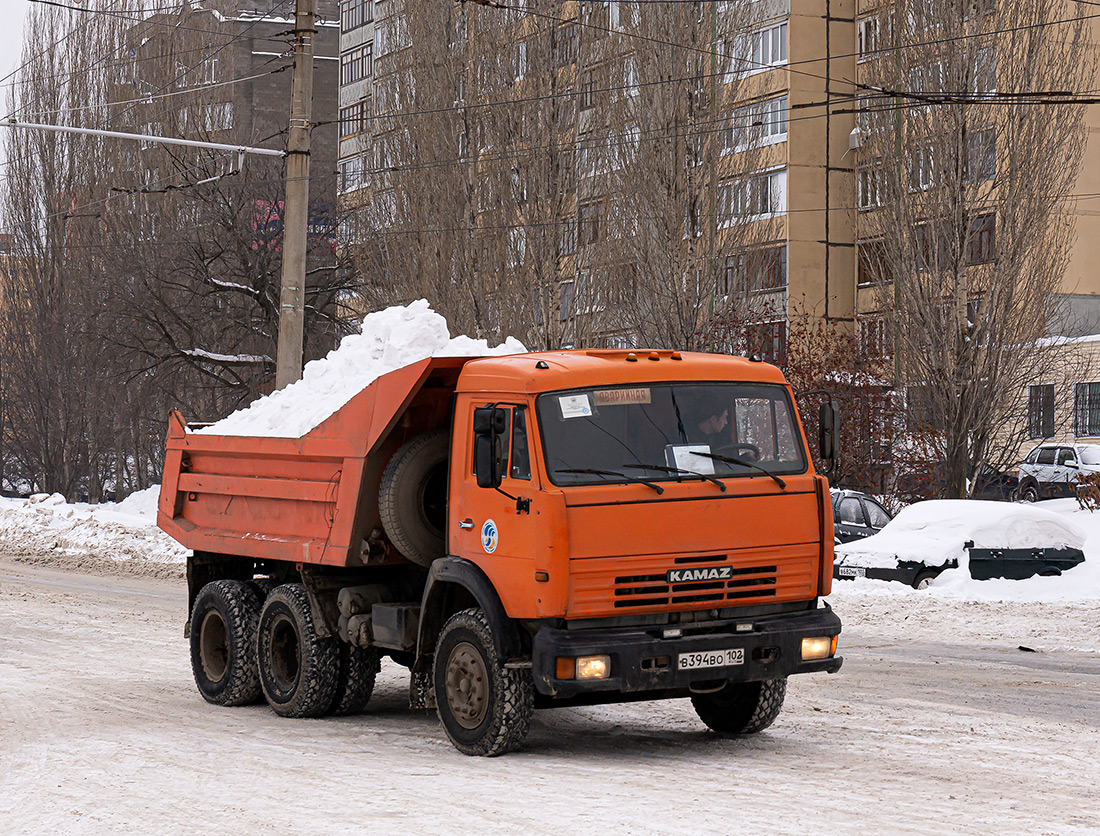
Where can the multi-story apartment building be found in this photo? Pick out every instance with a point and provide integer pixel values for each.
(225, 52)
(774, 182)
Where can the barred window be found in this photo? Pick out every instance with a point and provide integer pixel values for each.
(1086, 409)
(1040, 411)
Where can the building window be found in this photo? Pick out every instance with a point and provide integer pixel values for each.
(351, 174)
(1086, 410)
(769, 340)
(873, 343)
(355, 13)
(588, 223)
(760, 123)
(757, 51)
(588, 90)
(922, 167)
(985, 71)
(597, 17)
(868, 30)
(566, 44)
(982, 246)
(567, 244)
(981, 156)
(754, 269)
(353, 119)
(1040, 411)
(870, 186)
(762, 195)
(873, 265)
(769, 47)
(355, 64)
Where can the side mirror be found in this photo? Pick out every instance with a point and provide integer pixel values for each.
(489, 425)
(829, 422)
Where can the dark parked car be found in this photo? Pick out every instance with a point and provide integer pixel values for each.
(931, 483)
(856, 515)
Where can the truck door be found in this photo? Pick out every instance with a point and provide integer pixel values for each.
(498, 528)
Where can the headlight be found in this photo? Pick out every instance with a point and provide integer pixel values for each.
(818, 647)
(583, 667)
(593, 667)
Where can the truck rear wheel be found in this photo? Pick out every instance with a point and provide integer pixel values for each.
(355, 681)
(223, 643)
(412, 497)
(485, 708)
(741, 707)
(298, 668)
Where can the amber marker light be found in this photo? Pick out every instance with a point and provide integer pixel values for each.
(565, 668)
(593, 667)
(819, 647)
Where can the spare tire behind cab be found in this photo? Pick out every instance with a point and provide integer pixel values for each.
(412, 497)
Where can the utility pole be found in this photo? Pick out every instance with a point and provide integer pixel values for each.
(288, 360)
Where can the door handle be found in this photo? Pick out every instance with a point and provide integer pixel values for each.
(466, 523)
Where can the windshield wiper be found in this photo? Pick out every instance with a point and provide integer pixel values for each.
(597, 472)
(677, 470)
(742, 462)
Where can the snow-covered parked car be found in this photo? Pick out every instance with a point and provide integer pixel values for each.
(990, 539)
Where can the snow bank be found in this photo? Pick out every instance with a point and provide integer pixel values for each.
(120, 537)
(390, 339)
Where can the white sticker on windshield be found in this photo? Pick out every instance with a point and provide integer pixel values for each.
(575, 406)
(684, 457)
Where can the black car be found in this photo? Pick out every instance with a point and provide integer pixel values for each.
(856, 515)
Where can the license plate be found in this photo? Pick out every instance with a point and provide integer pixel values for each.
(711, 659)
(851, 571)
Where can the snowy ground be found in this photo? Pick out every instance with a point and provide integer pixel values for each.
(939, 722)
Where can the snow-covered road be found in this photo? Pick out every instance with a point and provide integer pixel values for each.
(937, 724)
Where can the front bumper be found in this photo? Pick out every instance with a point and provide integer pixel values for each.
(642, 660)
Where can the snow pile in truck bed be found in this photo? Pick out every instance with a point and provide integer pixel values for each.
(936, 530)
(390, 339)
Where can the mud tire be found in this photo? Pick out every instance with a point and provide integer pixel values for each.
(355, 680)
(412, 497)
(484, 707)
(223, 643)
(741, 707)
(298, 669)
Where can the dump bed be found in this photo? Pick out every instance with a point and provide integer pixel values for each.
(312, 499)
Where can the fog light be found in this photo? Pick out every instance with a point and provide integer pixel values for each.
(593, 667)
(820, 647)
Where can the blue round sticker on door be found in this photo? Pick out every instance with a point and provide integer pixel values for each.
(489, 536)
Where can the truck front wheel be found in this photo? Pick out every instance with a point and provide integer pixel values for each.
(485, 708)
(223, 643)
(741, 707)
(299, 670)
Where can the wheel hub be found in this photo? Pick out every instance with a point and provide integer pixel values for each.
(213, 646)
(286, 653)
(467, 685)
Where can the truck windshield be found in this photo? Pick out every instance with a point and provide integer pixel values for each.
(669, 432)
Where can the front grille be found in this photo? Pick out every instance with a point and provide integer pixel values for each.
(747, 583)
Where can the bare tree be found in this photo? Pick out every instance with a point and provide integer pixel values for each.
(971, 152)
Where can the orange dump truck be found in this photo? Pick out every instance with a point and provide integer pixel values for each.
(527, 531)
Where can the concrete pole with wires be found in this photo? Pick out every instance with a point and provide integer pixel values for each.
(288, 361)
